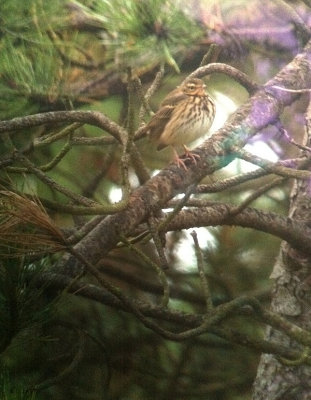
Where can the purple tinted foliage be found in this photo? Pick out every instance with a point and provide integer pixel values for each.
(299, 118)
(265, 135)
(270, 136)
(262, 68)
(261, 22)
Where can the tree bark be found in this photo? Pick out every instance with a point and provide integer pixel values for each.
(279, 379)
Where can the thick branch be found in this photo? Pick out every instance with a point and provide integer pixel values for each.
(294, 232)
(262, 109)
(95, 118)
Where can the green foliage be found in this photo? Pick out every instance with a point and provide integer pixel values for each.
(30, 75)
(12, 390)
(22, 307)
(31, 71)
(38, 45)
(142, 33)
(18, 19)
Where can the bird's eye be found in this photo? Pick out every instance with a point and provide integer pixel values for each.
(191, 86)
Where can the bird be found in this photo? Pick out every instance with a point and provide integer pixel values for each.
(184, 115)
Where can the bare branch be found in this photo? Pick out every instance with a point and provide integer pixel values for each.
(272, 167)
(203, 279)
(295, 232)
(95, 118)
(234, 73)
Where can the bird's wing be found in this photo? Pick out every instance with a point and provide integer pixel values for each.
(174, 98)
(158, 122)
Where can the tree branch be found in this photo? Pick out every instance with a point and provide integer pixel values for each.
(293, 231)
(186, 320)
(95, 118)
(261, 110)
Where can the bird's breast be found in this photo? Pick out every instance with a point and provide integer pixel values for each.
(185, 126)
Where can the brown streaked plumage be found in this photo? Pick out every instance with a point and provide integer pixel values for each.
(185, 115)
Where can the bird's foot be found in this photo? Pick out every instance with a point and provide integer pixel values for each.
(180, 163)
(193, 156)
(188, 155)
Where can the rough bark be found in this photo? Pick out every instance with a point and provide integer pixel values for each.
(278, 379)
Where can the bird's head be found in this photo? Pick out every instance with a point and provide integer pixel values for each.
(194, 87)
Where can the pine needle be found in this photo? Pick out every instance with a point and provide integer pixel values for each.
(26, 228)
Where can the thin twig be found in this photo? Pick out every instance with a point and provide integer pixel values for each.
(284, 89)
(159, 271)
(211, 55)
(137, 161)
(146, 98)
(131, 89)
(145, 106)
(256, 194)
(93, 141)
(84, 230)
(95, 118)
(50, 138)
(203, 279)
(54, 185)
(139, 165)
(153, 228)
(284, 132)
(271, 167)
(228, 183)
(47, 167)
(162, 226)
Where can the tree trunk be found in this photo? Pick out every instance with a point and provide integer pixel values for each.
(279, 379)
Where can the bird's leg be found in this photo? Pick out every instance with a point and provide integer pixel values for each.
(178, 160)
(193, 156)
